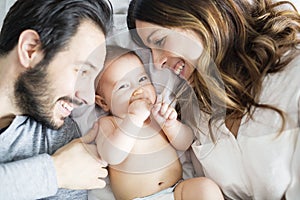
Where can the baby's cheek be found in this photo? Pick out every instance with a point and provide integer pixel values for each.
(152, 95)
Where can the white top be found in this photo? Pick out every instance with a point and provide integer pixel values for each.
(259, 163)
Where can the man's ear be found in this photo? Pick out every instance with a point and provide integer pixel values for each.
(100, 101)
(28, 48)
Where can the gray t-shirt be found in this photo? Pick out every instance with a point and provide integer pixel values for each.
(26, 168)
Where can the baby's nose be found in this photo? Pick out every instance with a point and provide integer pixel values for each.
(138, 91)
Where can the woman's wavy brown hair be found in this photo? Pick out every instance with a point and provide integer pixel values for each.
(244, 41)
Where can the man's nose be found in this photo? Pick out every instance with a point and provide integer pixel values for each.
(86, 97)
(86, 94)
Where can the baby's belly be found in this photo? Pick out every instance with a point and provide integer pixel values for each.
(152, 166)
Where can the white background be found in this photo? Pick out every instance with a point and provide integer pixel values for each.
(119, 6)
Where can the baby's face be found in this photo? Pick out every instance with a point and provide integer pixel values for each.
(121, 79)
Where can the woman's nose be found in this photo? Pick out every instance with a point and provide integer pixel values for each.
(159, 58)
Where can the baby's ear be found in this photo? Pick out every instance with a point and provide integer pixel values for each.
(100, 101)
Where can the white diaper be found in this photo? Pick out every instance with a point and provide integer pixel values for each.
(166, 194)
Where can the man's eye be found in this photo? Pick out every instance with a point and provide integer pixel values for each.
(144, 78)
(81, 72)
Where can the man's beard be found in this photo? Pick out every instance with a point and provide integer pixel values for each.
(33, 95)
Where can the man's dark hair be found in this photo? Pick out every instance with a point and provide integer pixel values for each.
(56, 21)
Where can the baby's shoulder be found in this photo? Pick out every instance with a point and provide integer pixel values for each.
(112, 120)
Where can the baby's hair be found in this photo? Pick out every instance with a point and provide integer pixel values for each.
(114, 52)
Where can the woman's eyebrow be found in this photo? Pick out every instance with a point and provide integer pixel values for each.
(149, 37)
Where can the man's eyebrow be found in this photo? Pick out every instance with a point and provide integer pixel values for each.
(87, 63)
(149, 37)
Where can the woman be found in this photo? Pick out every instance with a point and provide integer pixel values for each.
(241, 60)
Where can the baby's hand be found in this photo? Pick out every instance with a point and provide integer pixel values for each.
(164, 114)
(139, 105)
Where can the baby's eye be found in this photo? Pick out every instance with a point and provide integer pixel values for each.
(143, 78)
(123, 86)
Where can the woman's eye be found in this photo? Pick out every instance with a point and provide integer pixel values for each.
(159, 42)
(144, 78)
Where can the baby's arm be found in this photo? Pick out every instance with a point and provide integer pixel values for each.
(180, 135)
(116, 136)
(115, 141)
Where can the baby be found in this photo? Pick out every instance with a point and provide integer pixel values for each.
(140, 138)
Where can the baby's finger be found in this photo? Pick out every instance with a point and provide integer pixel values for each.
(173, 115)
(164, 109)
(156, 109)
(159, 98)
(167, 113)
